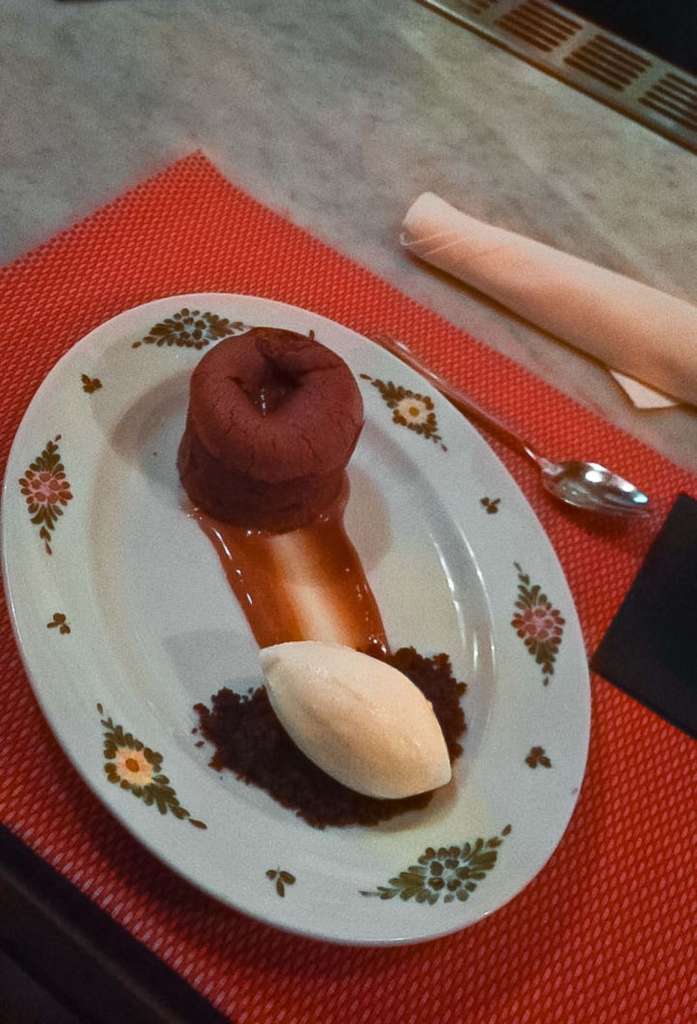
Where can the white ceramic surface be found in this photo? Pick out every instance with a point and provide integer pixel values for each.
(154, 628)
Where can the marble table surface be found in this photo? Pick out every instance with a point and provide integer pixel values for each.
(339, 114)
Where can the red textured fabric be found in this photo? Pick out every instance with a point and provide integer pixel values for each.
(607, 932)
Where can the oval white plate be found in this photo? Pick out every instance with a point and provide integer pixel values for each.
(452, 550)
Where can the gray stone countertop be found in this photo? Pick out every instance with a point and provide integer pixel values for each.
(339, 114)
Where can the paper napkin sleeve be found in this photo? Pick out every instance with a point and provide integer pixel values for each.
(640, 395)
(635, 329)
(650, 649)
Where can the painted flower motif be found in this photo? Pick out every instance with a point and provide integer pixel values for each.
(541, 623)
(537, 756)
(131, 765)
(46, 490)
(413, 410)
(90, 384)
(281, 878)
(59, 622)
(189, 328)
(490, 504)
(538, 623)
(409, 408)
(452, 872)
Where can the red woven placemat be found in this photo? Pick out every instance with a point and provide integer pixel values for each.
(607, 931)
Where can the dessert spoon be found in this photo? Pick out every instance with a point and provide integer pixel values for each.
(586, 485)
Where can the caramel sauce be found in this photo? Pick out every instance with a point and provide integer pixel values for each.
(307, 584)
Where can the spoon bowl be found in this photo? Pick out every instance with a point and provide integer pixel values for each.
(593, 487)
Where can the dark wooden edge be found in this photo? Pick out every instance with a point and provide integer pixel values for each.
(73, 950)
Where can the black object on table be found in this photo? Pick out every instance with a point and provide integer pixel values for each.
(65, 961)
(650, 649)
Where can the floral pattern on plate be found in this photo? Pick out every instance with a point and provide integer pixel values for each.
(281, 878)
(47, 490)
(452, 872)
(190, 328)
(90, 384)
(538, 623)
(537, 756)
(410, 409)
(59, 622)
(134, 767)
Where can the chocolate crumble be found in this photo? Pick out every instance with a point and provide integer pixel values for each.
(250, 741)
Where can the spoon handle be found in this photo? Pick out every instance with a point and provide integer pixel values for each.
(460, 400)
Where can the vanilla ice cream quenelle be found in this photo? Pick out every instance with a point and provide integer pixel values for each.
(358, 719)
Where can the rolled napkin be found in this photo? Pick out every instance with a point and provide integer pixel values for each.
(633, 328)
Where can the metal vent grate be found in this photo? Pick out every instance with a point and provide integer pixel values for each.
(674, 96)
(624, 76)
(538, 25)
(608, 61)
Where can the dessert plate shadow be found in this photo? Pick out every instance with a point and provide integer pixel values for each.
(125, 620)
